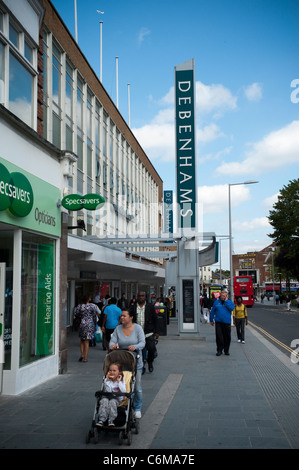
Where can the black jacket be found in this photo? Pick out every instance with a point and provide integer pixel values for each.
(150, 320)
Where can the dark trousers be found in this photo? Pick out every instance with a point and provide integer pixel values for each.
(240, 327)
(223, 336)
(150, 349)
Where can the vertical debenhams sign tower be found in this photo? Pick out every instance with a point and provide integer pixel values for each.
(185, 147)
(187, 286)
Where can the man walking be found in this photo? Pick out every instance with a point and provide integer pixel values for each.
(146, 317)
(111, 319)
(222, 313)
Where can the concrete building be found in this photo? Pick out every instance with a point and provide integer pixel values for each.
(61, 134)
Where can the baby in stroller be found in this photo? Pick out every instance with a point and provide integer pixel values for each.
(110, 412)
(114, 382)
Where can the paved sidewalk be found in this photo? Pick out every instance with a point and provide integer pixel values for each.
(192, 400)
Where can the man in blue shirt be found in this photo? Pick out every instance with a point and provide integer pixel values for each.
(111, 319)
(222, 313)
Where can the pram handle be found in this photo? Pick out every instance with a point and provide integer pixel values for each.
(99, 393)
(135, 352)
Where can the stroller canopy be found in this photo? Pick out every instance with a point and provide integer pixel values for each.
(124, 357)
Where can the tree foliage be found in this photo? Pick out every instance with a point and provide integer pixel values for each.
(284, 218)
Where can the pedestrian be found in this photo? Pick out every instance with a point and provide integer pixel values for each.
(147, 318)
(123, 303)
(288, 302)
(129, 335)
(240, 319)
(111, 319)
(114, 383)
(205, 303)
(100, 323)
(222, 313)
(87, 313)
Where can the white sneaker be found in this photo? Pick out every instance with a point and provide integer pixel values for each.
(243, 342)
(138, 414)
(239, 341)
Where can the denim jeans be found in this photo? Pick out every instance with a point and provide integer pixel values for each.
(240, 327)
(137, 404)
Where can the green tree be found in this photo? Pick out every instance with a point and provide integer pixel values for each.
(284, 218)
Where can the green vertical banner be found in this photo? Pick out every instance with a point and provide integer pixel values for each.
(45, 300)
(185, 146)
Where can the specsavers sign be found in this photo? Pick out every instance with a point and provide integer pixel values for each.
(75, 202)
(28, 201)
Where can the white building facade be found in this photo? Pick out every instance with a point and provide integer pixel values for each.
(61, 134)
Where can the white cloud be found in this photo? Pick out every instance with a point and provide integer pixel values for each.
(209, 98)
(142, 35)
(215, 198)
(157, 140)
(253, 92)
(158, 137)
(278, 148)
(254, 224)
(270, 201)
(214, 98)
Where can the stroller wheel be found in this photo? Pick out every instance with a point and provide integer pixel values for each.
(137, 426)
(120, 437)
(129, 438)
(96, 436)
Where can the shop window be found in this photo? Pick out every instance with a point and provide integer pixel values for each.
(37, 323)
(6, 256)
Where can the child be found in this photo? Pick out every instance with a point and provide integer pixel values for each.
(114, 382)
(240, 318)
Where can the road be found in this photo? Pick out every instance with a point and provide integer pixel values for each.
(276, 324)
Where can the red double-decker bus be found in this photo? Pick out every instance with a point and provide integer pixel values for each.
(243, 286)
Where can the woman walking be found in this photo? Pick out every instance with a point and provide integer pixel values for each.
(240, 319)
(129, 335)
(86, 312)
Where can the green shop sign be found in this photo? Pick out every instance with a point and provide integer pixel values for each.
(28, 201)
(45, 300)
(75, 202)
(16, 192)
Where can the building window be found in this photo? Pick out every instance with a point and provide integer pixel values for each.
(56, 95)
(69, 125)
(1, 73)
(17, 56)
(13, 35)
(20, 90)
(28, 52)
(45, 86)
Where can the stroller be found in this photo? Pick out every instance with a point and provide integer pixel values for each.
(125, 420)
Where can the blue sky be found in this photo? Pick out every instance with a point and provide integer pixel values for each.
(246, 61)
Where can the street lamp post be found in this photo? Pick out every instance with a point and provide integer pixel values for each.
(230, 236)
